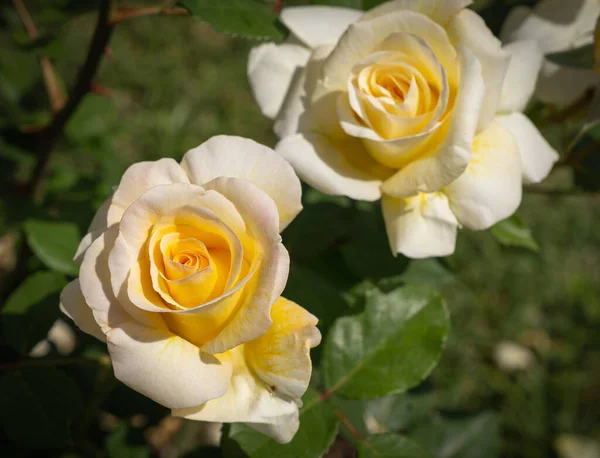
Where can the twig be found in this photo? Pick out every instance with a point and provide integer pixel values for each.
(50, 135)
(349, 425)
(51, 81)
(122, 14)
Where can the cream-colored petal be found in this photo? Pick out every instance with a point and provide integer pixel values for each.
(444, 165)
(440, 11)
(489, 190)
(165, 367)
(283, 429)
(325, 167)
(260, 214)
(281, 356)
(365, 37)
(297, 114)
(537, 155)
(247, 399)
(271, 68)
(318, 25)
(140, 177)
(72, 304)
(95, 281)
(237, 157)
(521, 77)
(98, 225)
(420, 227)
(469, 30)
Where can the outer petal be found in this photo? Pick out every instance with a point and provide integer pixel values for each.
(95, 280)
(420, 227)
(237, 157)
(248, 399)
(98, 225)
(318, 25)
(443, 166)
(490, 189)
(469, 30)
(324, 166)
(140, 177)
(260, 215)
(72, 304)
(269, 374)
(440, 11)
(281, 356)
(537, 156)
(164, 367)
(270, 71)
(521, 77)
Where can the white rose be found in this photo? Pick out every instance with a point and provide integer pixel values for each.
(414, 102)
(182, 275)
(557, 26)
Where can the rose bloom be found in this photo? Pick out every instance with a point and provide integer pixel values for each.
(557, 26)
(182, 272)
(414, 102)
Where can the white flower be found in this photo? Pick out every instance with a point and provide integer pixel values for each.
(557, 26)
(414, 102)
(182, 273)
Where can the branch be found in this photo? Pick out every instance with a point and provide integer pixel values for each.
(122, 14)
(53, 87)
(50, 135)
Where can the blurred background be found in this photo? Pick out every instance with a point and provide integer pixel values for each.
(520, 376)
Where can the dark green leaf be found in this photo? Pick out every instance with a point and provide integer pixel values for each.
(118, 445)
(514, 232)
(474, 437)
(31, 310)
(392, 346)
(54, 243)
(399, 412)
(247, 18)
(582, 57)
(355, 4)
(318, 427)
(37, 406)
(391, 445)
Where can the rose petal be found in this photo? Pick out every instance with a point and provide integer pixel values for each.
(72, 304)
(469, 30)
(98, 225)
(139, 178)
(270, 71)
(237, 157)
(521, 77)
(440, 11)
(537, 156)
(165, 367)
(324, 166)
(420, 227)
(318, 25)
(490, 188)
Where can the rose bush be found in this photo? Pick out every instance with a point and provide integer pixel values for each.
(557, 26)
(414, 102)
(182, 273)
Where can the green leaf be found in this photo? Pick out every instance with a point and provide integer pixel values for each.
(31, 310)
(391, 445)
(390, 347)
(318, 428)
(514, 232)
(247, 18)
(118, 445)
(399, 412)
(354, 4)
(473, 437)
(54, 243)
(582, 57)
(37, 406)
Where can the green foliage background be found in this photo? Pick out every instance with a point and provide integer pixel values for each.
(170, 83)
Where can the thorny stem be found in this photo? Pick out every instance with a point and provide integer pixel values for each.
(50, 135)
(122, 14)
(51, 81)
